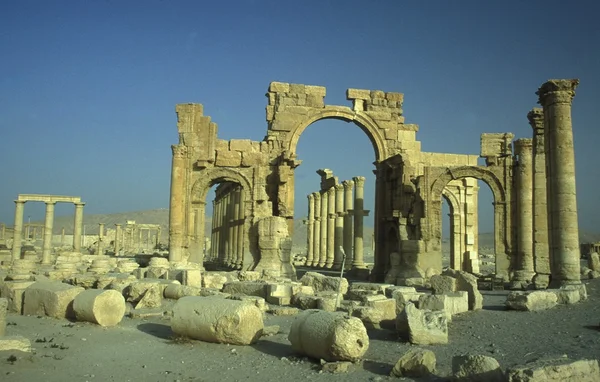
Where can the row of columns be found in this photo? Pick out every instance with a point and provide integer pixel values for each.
(227, 236)
(335, 221)
(545, 198)
(48, 228)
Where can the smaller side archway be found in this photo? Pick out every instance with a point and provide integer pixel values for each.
(233, 213)
(502, 221)
(456, 234)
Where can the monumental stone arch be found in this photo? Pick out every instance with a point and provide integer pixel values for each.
(257, 188)
(502, 210)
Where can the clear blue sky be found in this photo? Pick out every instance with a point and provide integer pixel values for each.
(88, 88)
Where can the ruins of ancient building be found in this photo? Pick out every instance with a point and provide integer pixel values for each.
(532, 201)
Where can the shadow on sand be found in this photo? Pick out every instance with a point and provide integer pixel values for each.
(157, 330)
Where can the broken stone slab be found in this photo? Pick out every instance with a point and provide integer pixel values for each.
(249, 275)
(467, 282)
(303, 301)
(442, 284)
(361, 294)
(404, 296)
(102, 307)
(328, 301)
(249, 288)
(450, 303)
(3, 313)
(15, 343)
(50, 298)
(377, 287)
(152, 298)
(415, 363)
(331, 336)
(217, 320)
(138, 288)
(13, 292)
(321, 283)
(422, 327)
(477, 368)
(530, 301)
(555, 370)
(270, 330)
(284, 311)
(214, 280)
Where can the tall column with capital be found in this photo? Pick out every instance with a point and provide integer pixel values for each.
(339, 225)
(310, 222)
(348, 231)
(48, 228)
(541, 250)
(316, 231)
(235, 255)
(359, 214)
(117, 239)
(524, 207)
(101, 239)
(324, 221)
(330, 228)
(18, 229)
(556, 97)
(177, 203)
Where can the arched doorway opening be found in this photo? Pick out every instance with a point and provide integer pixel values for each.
(344, 156)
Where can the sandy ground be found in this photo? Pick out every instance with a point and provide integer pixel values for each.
(145, 350)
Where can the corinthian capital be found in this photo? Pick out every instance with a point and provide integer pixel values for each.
(359, 181)
(536, 119)
(179, 150)
(557, 91)
(348, 184)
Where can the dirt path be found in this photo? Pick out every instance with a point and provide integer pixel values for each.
(143, 350)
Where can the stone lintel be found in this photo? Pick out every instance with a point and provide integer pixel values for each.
(48, 198)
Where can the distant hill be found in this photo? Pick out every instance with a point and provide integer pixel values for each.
(161, 217)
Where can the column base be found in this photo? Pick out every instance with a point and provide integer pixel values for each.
(541, 281)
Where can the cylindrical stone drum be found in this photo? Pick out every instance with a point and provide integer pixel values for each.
(177, 291)
(102, 307)
(215, 319)
(330, 336)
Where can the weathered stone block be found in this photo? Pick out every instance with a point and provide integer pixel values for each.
(329, 336)
(358, 94)
(191, 277)
(250, 159)
(279, 87)
(566, 296)
(15, 343)
(3, 313)
(477, 368)
(259, 302)
(450, 303)
(468, 283)
(213, 319)
(377, 287)
(53, 299)
(152, 297)
(556, 370)
(249, 288)
(303, 301)
(316, 90)
(422, 327)
(13, 292)
(394, 97)
(321, 283)
(228, 158)
(404, 296)
(244, 145)
(529, 301)
(213, 280)
(442, 284)
(416, 363)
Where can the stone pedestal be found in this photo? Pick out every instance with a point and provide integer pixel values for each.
(275, 245)
(158, 267)
(21, 269)
(556, 96)
(100, 266)
(126, 266)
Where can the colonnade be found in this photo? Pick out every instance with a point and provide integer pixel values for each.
(50, 201)
(136, 237)
(335, 220)
(547, 231)
(227, 235)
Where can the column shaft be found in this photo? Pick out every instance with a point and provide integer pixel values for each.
(348, 222)
(359, 184)
(317, 231)
(523, 175)
(117, 239)
(323, 246)
(309, 229)
(241, 220)
(330, 228)
(48, 228)
(339, 226)
(177, 203)
(17, 230)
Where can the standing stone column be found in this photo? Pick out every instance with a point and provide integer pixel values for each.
(48, 228)
(330, 228)
(323, 246)
(541, 250)
(78, 227)
(317, 231)
(556, 97)
(28, 232)
(3, 231)
(359, 214)
(62, 236)
(230, 238)
(213, 232)
(241, 218)
(348, 231)
(18, 229)
(339, 225)
(117, 239)
(235, 256)
(309, 229)
(523, 175)
(177, 203)
(101, 239)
